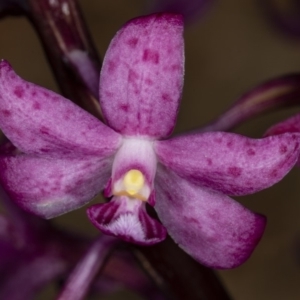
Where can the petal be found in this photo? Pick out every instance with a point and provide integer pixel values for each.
(38, 121)
(214, 229)
(51, 187)
(230, 163)
(290, 125)
(127, 219)
(142, 76)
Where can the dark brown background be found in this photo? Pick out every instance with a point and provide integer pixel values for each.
(229, 51)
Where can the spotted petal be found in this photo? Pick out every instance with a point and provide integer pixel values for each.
(214, 229)
(228, 162)
(127, 219)
(39, 121)
(142, 76)
(49, 187)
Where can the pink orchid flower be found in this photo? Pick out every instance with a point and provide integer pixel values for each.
(66, 156)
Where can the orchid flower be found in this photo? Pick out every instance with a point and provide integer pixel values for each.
(65, 156)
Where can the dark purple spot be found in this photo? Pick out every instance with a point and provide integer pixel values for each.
(274, 173)
(111, 66)
(175, 67)
(151, 56)
(132, 76)
(250, 152)
(190, 220)
(229, 144)
(108, 93)
(33, 93)
(234, 171)
(166, 97)
(132, 42)
(6, 113)
(124, 107)
(19, 91)
(36, 105)
(149, 81)
(209, 161)
(44, 130)
(283, 149)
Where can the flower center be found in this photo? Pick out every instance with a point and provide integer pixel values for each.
(133, 182)
(132, 185)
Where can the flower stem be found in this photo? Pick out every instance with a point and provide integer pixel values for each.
(273, 94)
(80, 280)
(68, 46)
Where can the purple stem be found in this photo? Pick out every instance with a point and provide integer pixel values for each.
(273, 94)
(80, 280)
(68, 46)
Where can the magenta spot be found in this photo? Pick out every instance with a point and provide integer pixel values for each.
(234, 171)
(191, 220)
(55, 98)
(209, 161)
(124, 107)
(46, 94)
(44, 150)
(36, 105)
(166, 97)
(132, 42)
(6, 113)
(250, 152)
(175, 67)
(79, 182)
(283, 149)
(33, 93)
(44, 130)
(229, 144)
(170, 51)
(149, 81)
(274, 173)
(218, 140)
(108, 94)
(19, 91)
(151, 56)
(111, 66)
(132, 76)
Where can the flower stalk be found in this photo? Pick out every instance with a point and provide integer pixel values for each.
(82, 277)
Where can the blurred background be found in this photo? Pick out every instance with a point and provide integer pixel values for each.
(231, 49)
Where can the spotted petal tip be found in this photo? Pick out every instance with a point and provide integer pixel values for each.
(142, 76)
(127, 219)
(214, 229)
